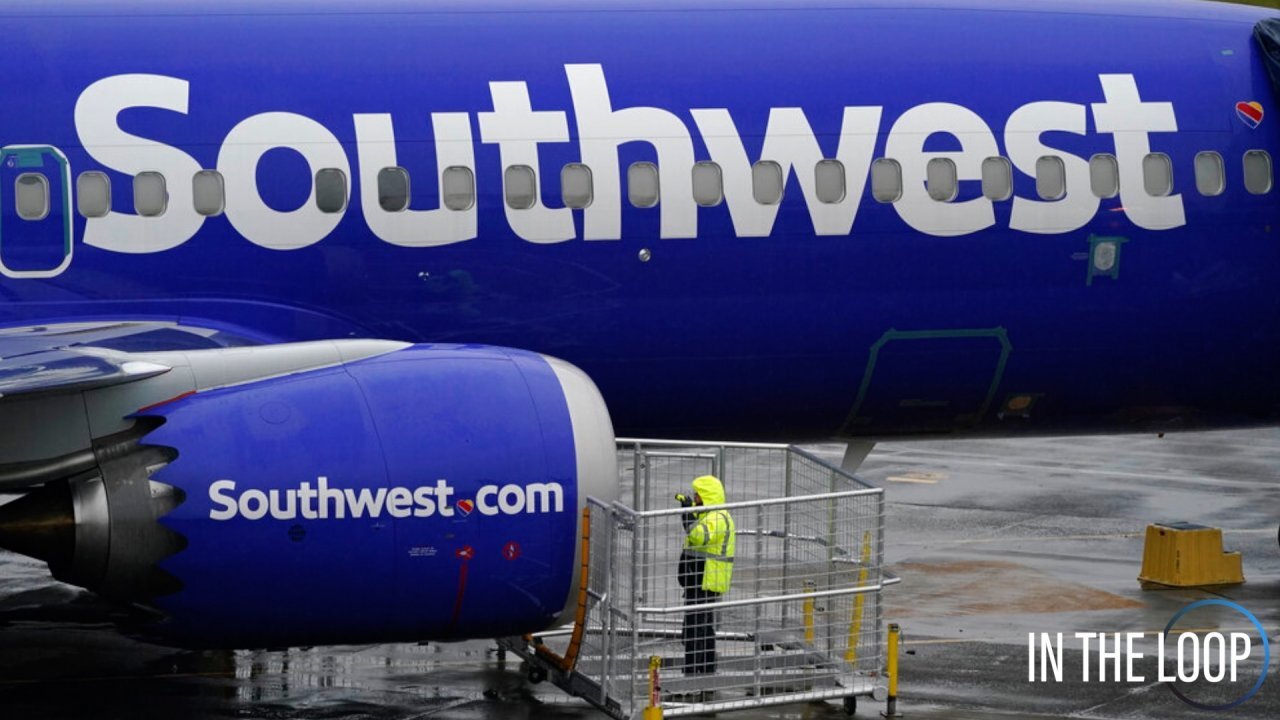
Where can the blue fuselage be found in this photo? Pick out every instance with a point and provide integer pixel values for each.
(803, 320)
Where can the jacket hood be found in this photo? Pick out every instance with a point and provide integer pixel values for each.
(710, 489)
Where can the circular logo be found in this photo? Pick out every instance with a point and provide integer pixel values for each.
(1266, 653)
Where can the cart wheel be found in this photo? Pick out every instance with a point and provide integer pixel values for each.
(537, 675)
(850, 705)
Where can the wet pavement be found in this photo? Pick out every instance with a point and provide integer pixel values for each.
(993, 539)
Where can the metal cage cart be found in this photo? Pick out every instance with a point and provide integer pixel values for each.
(802, 620)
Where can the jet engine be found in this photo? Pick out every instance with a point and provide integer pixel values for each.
(426, 492)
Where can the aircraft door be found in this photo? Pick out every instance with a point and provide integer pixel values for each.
(925, 382)
(35, 212)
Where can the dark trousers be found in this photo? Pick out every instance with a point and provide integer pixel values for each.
(699, 632)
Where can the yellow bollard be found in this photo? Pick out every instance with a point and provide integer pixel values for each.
(654, 711)
(891, 706)
(855, 625)
(808, 613)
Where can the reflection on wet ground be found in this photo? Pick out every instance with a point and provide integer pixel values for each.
(80, 669)
(994, 540)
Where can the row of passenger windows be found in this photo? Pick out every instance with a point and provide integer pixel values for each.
(151, 197)
(1051, 176)
(208, 191)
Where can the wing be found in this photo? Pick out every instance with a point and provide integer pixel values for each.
(42, 367)
(71, 357)
(68, 392)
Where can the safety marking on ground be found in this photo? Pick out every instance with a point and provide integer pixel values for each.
(963, 588)
(1045, 538)
(1152, 633)
(1202, 631)
(918, 478)
(904, 455)
(944, 641)
(1137, 534)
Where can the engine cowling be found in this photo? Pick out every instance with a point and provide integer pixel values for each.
(433, 492)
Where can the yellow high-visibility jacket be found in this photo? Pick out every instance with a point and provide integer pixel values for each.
(712, 538)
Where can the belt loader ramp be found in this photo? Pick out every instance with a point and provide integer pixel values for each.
(801, 622)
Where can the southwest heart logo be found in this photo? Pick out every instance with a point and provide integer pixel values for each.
(1250, 113)
(466, 506)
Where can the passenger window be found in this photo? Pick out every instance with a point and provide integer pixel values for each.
(941, 179)
(150, 194)
(1104, 175)
(331, 190)
(521, 187)
(886, 180)
(766, 182)
(93, 194)
(575, 186)
(393, 189)
(31, 196)
(708, 184)
(208, 193)
(459, 185)
(1211, 174)
(1051, 178)
(642, 184)
(1157, 174)
(997, 178)
(828, 177)
(1257, 172)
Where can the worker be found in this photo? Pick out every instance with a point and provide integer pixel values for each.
(706, 570)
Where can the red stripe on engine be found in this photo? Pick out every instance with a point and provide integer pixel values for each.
(175, 398)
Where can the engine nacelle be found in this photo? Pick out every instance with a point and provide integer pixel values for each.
(433, 492)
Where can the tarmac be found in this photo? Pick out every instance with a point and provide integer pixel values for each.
(994, 540)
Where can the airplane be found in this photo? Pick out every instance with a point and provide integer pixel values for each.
(318, 319)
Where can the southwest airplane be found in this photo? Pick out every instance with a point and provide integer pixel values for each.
(311, 312)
